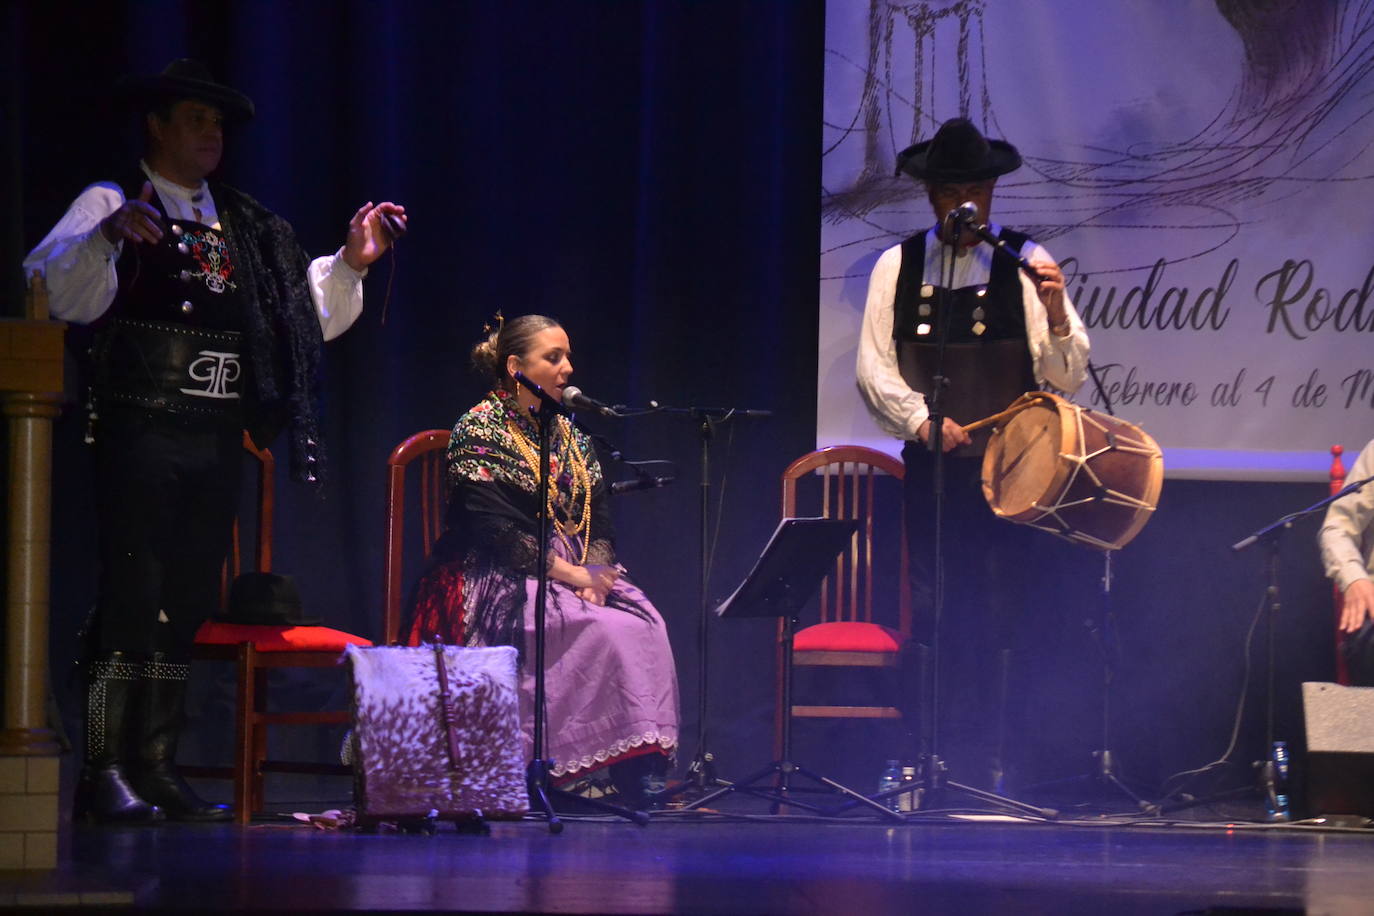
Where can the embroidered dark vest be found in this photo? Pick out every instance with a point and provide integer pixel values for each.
(987, 360)
(174, 337)
(188, 278)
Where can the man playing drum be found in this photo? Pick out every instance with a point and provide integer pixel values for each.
(1006, 334)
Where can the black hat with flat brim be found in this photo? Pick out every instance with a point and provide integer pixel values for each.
(186, 79)
(265, 599)
(957, 154)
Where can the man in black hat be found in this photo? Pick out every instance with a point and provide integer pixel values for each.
(1006, 334)
(210, 320)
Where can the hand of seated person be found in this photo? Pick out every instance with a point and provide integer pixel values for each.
(1358, 605)
(601, 578)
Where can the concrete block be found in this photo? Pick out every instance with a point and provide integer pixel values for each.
(24, 813)
(13, 775)
(44, 775)
(11, 851)
(40, 850)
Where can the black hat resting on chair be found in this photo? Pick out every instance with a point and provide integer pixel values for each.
(266, 599)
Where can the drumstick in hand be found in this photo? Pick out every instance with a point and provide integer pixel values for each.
(1020, 404)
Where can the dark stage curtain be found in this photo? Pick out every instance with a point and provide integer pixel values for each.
(647, 173)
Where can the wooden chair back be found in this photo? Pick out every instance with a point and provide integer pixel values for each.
(416, 481)
(854, 482)
(260, 533)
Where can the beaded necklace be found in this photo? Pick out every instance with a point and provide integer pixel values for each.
(571, 458)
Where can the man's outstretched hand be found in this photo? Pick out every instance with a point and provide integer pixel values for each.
(368, 235)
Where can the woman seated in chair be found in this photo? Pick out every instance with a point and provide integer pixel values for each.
(611, 687)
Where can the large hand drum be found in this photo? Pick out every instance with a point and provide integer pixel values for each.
(1077, 473)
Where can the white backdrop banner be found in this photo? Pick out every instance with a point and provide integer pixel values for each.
(1203, 169)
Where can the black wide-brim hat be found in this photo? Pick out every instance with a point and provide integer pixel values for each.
(268, 599)
(957, 154)
(185, 78)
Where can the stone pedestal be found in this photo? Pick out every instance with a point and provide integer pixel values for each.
(30, 392)
(28, 811)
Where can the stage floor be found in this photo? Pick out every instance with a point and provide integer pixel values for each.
(682, 863)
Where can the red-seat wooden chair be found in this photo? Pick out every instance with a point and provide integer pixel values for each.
(1337, 483)
(856, 629)
(424, 490)
(256, 651)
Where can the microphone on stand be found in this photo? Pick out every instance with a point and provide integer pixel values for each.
(640, 483)
(966, 213)
(574, 399)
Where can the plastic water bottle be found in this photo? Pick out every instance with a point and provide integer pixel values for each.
(890, 779)
(907, 800)
(1279, 807)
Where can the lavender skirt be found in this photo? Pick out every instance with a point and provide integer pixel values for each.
(611, 688)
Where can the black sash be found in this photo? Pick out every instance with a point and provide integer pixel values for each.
(180, 369)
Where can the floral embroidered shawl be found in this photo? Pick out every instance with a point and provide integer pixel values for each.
(490, 545)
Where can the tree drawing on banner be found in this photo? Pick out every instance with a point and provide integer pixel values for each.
(1297, 114)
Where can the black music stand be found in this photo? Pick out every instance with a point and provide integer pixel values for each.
(786, 575)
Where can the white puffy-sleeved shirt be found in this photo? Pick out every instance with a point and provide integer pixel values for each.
(78, 262)
(1058, 362)
(1347, 534)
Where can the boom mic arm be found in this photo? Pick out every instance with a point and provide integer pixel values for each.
(640, 483)
(983, 232)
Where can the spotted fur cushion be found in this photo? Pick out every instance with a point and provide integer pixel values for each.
(403, 760)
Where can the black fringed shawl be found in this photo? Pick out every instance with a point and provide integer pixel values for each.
(283, 329)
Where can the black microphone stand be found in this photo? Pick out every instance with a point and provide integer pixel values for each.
(643, 480)
(1105, 636)
(1269, 779)
(701, 772)
(542, 792)
(1103, 631)
(933, 780)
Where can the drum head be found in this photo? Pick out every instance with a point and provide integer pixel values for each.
(1084, 476)
(1021, 464)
